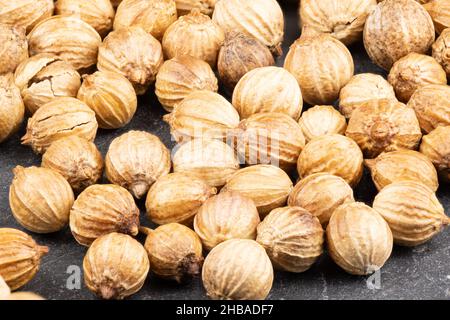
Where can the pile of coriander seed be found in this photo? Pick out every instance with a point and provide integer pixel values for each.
(225, 202)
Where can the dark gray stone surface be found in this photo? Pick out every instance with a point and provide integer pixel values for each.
(411, 273)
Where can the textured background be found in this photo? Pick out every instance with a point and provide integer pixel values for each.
(411, 273)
